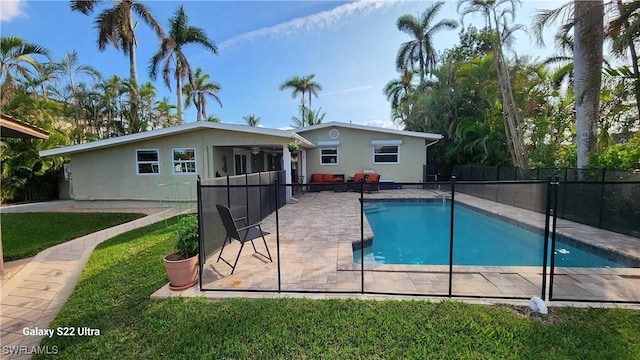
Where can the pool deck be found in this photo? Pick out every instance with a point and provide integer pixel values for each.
(316, 238)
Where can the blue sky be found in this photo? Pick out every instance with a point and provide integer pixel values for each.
(349, 46)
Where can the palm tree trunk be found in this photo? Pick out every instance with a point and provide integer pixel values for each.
(302, 110)
(198, 110)
(587, 57)
(179, 95)
(513, 128)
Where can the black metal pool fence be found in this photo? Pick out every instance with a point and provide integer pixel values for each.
(258, 196)
(506, 173)
(603, 198)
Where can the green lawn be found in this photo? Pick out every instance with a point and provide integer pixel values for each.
(26, 234)
(113, 296)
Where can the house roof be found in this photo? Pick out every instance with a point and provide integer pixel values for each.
(430, 136)
(173, 130)
(14, 128)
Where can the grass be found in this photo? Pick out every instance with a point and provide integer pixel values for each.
(26, 234)
(113, 296)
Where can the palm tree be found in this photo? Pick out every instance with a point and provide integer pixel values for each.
(252, 120)
(116, 26)
(69, 69)
(45, 75)
(421, 48)
(180, 34)
(162, 114)
(198, 92)
(296, 84)
(398, 92)
(311, 87)
(302, 85)
(586, 20)
(587, 59)
(16, 59)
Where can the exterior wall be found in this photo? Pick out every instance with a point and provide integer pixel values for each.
(355, 153)
(109, 174)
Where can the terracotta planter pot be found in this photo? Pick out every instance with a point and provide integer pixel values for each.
(183, 273)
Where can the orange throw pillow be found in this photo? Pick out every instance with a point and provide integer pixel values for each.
(327, 177)
(357, 177)
(316, 178)
(373, 177)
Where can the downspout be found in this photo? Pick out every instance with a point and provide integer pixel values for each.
(426, 149)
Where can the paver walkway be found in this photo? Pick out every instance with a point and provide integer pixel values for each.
(32, 297)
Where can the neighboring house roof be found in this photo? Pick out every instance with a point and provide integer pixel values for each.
(14, 128)
(173, 130)
(429, 136)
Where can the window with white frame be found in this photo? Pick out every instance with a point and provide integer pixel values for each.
(184, 161)
(329, 152)
(386, 151)
(147, 162)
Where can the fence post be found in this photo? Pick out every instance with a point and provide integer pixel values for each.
(362, 235)
(246, 197)
(201, 250)
(260, 193)
(498, 173)
(453, 194)
(556, 185)
(545, 251)
(278, 233)
(228, 193)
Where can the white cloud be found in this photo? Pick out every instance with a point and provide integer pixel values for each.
(342, 91)
(320, 20)
(11, 9)
(387, 124)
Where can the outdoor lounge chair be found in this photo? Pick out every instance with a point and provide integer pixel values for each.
(242, 234)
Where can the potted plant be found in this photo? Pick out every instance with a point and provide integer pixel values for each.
(293, 147)
(182, 265)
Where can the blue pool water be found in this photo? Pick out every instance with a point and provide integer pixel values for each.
(418, 233)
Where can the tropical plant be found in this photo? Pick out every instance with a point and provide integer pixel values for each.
(213, 118)
(187, 244)
(420, 49)
(498, 15)
(171, 53)
(623, 30)
(293, 146)
(198, 91)
(313, 117)
(17, 59)
(252, 120)
(45, 77)
(398, 92)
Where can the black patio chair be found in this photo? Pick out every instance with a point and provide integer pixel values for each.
(242, 234)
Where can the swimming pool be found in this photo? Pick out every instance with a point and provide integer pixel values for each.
(418, 233)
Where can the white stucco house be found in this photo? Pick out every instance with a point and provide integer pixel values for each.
(143, 169)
